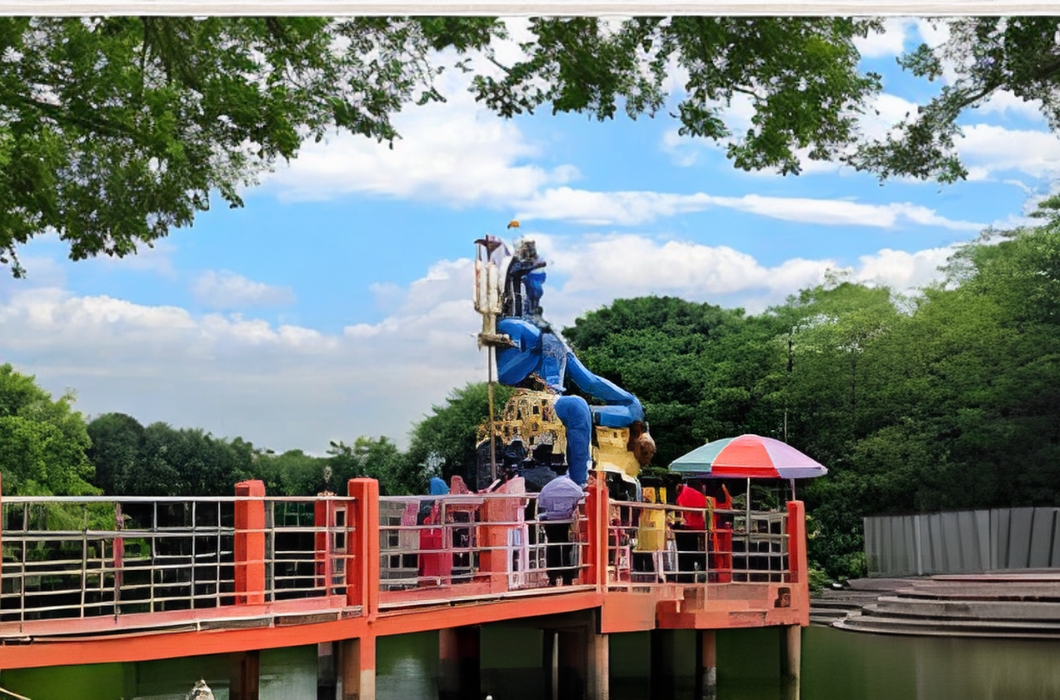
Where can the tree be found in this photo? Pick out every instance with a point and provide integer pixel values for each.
(187, 462)
(445, 440)
(42, 441)
(802, 76)
(694, 367)
(292, 473)
(114, 130)
(117, 440)
(987, 56)
(375, 458)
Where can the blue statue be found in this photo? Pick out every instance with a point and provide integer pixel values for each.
(537, 355)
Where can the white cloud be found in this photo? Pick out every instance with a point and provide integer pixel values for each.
(988, 150)
(455, 153)
(633, 208)
(889, 42)
(156, 258)
(902, 270)
(455, 157)
(1006, 102)
(592, 272)
(280, 386)
(227, 290)
(285, 386)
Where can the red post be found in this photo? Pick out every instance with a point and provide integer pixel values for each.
(597, 513)
(362, 582)
(798, 565)
(250, 543)
(493, 540)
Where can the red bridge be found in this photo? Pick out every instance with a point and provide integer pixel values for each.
(89, 580)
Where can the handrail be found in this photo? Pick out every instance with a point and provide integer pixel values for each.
(218, 556)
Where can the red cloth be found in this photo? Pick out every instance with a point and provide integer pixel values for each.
(690, 498)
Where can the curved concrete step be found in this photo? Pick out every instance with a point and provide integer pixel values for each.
(964, 609)
(1007, 591)
(820, 604)
(942, 627)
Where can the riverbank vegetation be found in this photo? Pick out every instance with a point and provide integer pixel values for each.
(946, 399)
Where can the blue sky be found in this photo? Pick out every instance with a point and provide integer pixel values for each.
(337, 302)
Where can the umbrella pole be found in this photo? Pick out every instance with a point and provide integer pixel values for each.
(748, 504)
(792, 482)
(493, 426)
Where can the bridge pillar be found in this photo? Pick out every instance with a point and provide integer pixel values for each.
(356, 669)
(599, 665)
(663, 647)
(249, 543)
(459, 663)
(550, 662)
(580, 662)
(245, 676)
(791, 652)
(707, 664)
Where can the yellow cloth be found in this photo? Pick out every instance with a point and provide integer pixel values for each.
(651, 535)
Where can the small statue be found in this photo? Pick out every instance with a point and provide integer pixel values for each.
(200, 691)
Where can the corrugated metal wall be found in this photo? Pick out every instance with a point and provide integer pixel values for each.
(968, 541)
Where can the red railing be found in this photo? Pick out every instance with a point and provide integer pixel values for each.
(151, 562)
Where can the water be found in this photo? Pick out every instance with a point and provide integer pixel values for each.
(836, 665)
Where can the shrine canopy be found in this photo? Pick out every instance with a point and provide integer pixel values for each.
(747, 456)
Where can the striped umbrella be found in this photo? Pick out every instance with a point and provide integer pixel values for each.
(747, 456)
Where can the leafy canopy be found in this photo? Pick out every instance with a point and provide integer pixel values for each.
(42, 440)
(115, 130)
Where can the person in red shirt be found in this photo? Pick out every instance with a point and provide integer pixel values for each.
(690, 534)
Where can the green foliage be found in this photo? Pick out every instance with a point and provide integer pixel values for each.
(162, 461)
(818, 580)
(800, 73)
(113, 130)
(375, 458)
(443, 443)
(42, 441)
(294, 473)
(700, 371)
(117, 440)
(987, 55)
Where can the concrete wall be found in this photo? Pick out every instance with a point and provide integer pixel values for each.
(963, 542)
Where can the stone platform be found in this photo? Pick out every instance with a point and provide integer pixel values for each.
(1023, 605)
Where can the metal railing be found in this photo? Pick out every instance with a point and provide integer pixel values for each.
(85, 557)
(445, 541)
(651, 543)
(95, 558)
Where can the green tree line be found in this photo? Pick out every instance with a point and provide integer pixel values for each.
(946, 399)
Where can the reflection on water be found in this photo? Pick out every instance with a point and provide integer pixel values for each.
(873, 667)
(836, 666)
